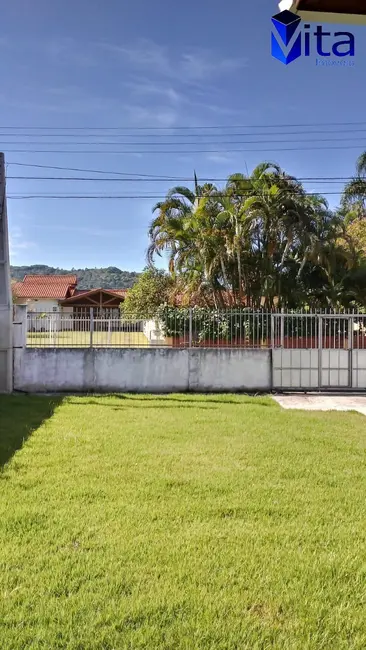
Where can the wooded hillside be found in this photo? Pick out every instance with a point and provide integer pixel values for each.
(108, 278)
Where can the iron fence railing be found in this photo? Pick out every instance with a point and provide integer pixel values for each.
(200, 328)
(66, 330)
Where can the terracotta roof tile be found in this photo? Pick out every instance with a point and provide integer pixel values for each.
(58, 287)
(52, 279)
(120, 292)
(45, 286)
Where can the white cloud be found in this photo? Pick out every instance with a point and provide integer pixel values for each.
(68, 51)
(144, 53)
(220, 159)
(159, 103)
(165, 88)
(163, 116)
(201, 65)
(65, 99)
(141, 86)
(17, 242)
(192, 66)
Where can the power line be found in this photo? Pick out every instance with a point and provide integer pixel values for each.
(177, 178)
(178, 128)
(135, 197)
(182, 151)
(215, 195)
(182, 144)
(159, 180)
(89, 171)
(175, 135)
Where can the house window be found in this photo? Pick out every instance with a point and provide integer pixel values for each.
(54, 309)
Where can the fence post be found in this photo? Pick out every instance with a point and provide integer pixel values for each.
(320, 355)
(91, 325)
(282, 328)
(20, 326)
(351, 330)
(273, 340)
(351, 343)
(109, 332)
(190, 327)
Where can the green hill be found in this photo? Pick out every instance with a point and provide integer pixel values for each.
(108, 278)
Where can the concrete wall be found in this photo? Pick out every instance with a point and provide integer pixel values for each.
(5, 370)
(159, 369)
(141, 370)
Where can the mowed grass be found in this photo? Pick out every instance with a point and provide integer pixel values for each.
(70, 339)
(180, 522)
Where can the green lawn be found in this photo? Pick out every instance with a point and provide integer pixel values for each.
(180, 522)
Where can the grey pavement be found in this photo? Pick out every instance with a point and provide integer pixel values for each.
(323, 402)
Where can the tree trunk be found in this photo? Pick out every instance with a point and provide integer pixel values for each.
(227, 285)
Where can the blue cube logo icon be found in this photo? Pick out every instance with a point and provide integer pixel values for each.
(286, 37)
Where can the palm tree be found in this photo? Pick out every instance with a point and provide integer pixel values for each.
(246, 208)
(175, 230)
(274, 211)
(169, 230)
(354, 195)
(261, 235)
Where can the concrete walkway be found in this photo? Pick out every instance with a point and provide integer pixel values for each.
(323, 402)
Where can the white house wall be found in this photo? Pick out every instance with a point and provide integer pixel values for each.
(43, 305)
(49, 314)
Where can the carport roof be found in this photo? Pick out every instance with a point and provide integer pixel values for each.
(96, 296)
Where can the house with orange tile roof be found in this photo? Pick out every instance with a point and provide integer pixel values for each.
(59, 294)
(44, 292)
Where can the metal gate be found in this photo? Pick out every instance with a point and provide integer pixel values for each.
(319, 351)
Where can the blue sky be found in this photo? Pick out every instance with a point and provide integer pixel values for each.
(90, 63)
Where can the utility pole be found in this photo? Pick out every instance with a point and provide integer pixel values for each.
(6, 304)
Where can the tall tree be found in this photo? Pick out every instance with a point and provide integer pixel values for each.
(262, 239)
(150, 291)
(354, 195)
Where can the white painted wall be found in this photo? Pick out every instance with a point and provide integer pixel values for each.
(153, 332)
(43, 305)
(152, 370)
(48, 315)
